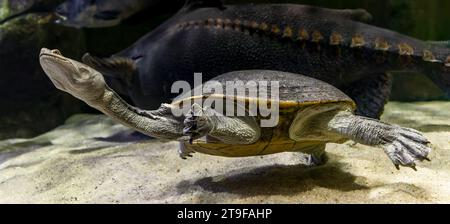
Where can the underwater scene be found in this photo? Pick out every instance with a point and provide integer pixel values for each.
(234, 101)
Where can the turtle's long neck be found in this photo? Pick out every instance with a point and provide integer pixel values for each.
(158, 123)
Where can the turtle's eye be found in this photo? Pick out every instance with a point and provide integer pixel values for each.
(56, 51)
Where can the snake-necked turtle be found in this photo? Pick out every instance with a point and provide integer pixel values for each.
(312, 113)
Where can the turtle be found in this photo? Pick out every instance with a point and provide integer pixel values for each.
(311, 114)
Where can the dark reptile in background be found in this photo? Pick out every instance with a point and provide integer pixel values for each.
(335, 46)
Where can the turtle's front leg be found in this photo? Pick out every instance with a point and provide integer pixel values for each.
(404, 146)
(200, 122)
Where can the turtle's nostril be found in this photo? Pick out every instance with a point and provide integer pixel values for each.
(56, 51)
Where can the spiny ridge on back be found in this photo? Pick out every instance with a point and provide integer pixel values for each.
(314, 36)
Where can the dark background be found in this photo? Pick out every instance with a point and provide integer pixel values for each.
(30, 105)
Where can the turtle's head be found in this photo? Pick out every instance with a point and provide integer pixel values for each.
(72, 76)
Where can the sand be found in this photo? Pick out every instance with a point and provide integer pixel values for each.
(78, 163)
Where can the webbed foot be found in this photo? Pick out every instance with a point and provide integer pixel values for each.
(196, 124)
(405, 146)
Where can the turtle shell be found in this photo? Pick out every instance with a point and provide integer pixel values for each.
(297, 94)
(294, 89)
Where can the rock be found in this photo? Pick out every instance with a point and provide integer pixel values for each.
(12, 8)
(30, 103)
(86, 161)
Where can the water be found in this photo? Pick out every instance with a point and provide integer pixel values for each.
(92, 152)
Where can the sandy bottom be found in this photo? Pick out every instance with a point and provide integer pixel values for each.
(81, 163)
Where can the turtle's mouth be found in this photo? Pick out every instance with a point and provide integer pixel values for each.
(53, 58)
(51, 53)
(58, 68)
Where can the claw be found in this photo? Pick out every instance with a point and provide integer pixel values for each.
(414, 167)
(183, 152)
(397, 167)
(187, 156)
(424, 158)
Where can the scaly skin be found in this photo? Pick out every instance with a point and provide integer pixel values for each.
(316, 42)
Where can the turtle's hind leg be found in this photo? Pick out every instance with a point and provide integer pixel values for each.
(404, 146)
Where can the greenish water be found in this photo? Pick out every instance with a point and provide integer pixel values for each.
(424, 19)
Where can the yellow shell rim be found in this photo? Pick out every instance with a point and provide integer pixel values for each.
(283, 104)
